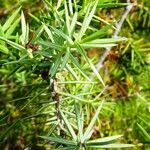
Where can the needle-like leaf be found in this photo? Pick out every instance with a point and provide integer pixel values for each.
(70, 129)
(90, 126)
(112, 146)
(10, 20)
(87, 19)
(82, 52)
(104, 140)
(13, 44)
(59, 140)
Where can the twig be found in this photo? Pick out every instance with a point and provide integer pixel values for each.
(115, 34)
(118, 28)
(119, 25)
(56, 98)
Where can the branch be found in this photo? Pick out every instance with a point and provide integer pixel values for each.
(115, 34)
(118, 28)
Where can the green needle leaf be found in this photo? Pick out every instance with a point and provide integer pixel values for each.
(87, 19)
(59, 140)
(104, 140)
(82, 52)
(13, 44)
(70, 129)
(87, 133)
(112, 146)
(10, 20)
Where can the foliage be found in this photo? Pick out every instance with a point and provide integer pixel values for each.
(47, 92)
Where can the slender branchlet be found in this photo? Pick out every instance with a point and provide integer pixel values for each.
(115, 34)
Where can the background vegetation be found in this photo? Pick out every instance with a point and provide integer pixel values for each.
(52, 94)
